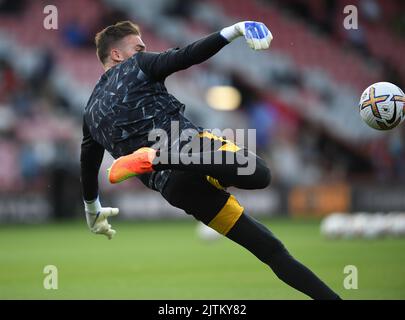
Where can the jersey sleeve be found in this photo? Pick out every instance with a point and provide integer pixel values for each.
(160, 65)
(91, 156)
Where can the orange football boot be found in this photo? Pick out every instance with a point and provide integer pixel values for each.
(138, 162)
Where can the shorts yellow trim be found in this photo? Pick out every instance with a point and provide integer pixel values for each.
(215, 183)
(209, 135)
(227, 217)
(228, 146)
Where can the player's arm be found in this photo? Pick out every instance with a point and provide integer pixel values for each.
(91, 156)
(161, 65)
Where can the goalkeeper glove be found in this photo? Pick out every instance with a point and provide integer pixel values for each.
(96, 217)
(257, 35)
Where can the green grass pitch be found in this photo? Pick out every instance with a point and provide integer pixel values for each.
(166, 260)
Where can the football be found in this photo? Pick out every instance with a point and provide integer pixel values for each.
(382, 106)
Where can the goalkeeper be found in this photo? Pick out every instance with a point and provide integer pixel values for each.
(130, 100)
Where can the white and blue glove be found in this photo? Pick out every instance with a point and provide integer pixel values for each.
(257, 35)
(96, 217)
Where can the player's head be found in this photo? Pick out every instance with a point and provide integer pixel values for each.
(118, 42)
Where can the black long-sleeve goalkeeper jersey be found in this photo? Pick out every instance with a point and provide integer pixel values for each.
(129, 101)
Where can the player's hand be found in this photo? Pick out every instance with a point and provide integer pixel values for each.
(96, 217)
(257, 35)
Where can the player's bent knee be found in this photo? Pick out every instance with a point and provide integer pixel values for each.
(227, 216)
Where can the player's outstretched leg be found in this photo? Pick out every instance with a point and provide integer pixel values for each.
(221, 211)
(260, 241)
(227, 171)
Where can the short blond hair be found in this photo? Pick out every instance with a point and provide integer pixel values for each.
(110, 35)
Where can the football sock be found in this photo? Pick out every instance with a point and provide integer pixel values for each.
(260, 241)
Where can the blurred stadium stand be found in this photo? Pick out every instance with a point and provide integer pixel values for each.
(301, 96)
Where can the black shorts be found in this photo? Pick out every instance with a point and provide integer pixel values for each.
(198, 195)
(207, 202)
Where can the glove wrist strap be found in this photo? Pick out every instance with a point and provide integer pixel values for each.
(230, 33)
(92, 206)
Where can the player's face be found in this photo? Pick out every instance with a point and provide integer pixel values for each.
(127, 47)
